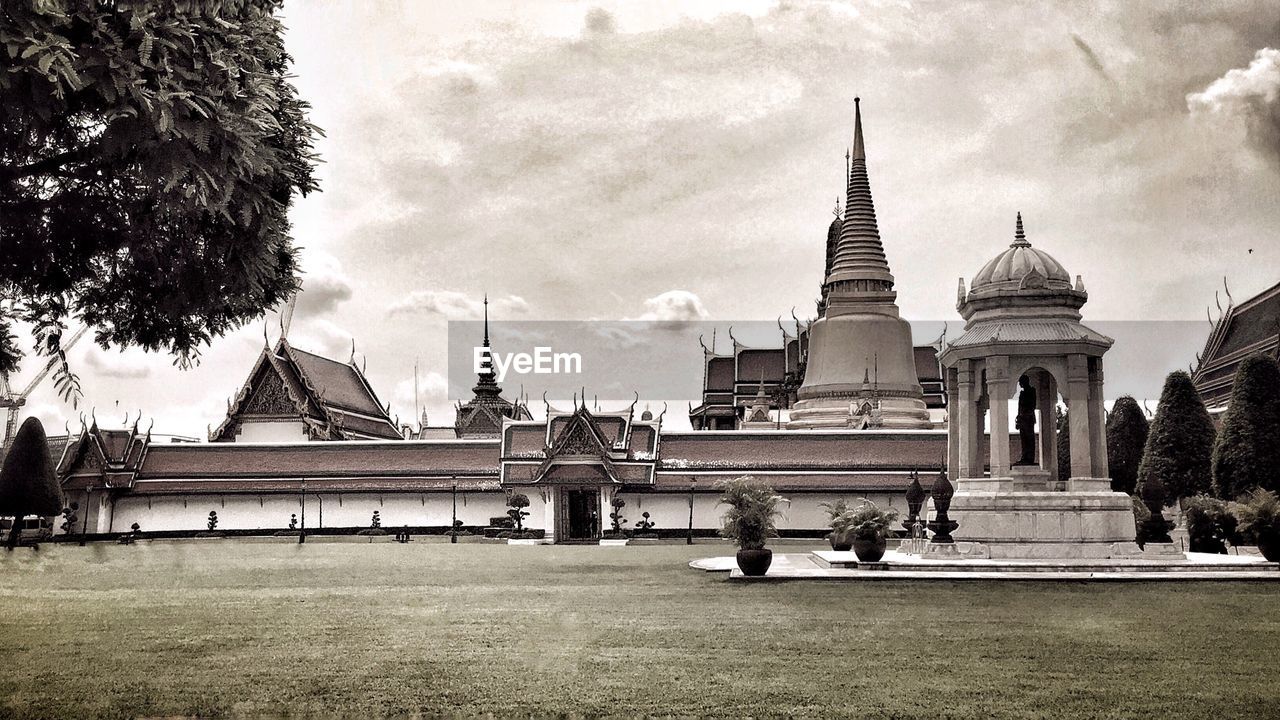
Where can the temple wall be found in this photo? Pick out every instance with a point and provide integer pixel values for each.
(669, 511)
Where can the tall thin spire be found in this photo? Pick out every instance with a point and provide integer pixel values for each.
(859, 263)
(1019, 236)
(486, 319)
(488, 379)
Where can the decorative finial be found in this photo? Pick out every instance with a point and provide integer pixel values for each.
(486, 319)
(859, 150)
(1019, 235)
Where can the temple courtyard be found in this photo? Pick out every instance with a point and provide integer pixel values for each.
(233, 627)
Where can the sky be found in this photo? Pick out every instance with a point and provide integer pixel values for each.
(680, 161)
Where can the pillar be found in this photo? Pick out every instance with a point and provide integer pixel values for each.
(606, 507)
(963, 417)
(1047, 403)
(998, 392)
(550, 498)
(1097, 420)
(1080, 416)
(954, 405)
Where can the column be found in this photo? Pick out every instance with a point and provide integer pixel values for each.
(1047, 399)
(954, 406)
(962, 418)
(998, 392)
(606, 507)
(1097, 420)
(550, 497)
(1078, 409)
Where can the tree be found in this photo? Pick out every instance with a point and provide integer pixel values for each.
(1179, 448)
(28, 483)
(1247, 454)
(518, 502)
(149, 153)
(1127, 430)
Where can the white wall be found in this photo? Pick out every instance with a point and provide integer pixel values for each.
(669, 511)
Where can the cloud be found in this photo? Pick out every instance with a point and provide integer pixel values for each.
(324, 287)
(674, 306)
(433, 395)
(1251, 94)
(131, 363)
(599, 22)
(322, 337)
(454, 305)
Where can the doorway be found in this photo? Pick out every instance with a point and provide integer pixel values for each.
(583, 516)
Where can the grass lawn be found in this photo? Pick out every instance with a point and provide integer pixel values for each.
(226, 627)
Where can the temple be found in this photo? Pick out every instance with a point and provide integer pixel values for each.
(860, 366)
(870, 407)
(1241, 330)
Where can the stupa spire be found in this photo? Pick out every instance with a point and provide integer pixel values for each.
(488, 379)
(859, 264)
(1020, 236)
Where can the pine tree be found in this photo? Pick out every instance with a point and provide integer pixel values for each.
(1127, 430)
(1247, 454)
(1179, 450)
(28, 483)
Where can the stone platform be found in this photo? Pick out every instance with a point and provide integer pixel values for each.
(828, 565)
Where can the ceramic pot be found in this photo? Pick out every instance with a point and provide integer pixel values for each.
(870, 550)
(755, 562)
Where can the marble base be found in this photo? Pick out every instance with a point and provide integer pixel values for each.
(1082, 522)
(828, 413)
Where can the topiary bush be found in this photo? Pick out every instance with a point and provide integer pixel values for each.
(213, 520)
(1127, 430)
(616, 517)
(375, 523)
(1210, 525)
(518, 502)
(1247, 453)
(1179, 449)
(28, 481)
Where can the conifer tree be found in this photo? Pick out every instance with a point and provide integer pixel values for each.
(1247, 454)
(1127, 430)
(28, 482)
(1179, 450)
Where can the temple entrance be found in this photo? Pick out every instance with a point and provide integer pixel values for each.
(582, 520)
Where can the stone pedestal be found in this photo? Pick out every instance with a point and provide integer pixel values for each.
(1015, 522)
(897, 413)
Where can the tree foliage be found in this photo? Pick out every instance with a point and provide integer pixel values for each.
(1179, 450)
(149, 153)
(1247, 454)
(28, 481)
(1127, 430)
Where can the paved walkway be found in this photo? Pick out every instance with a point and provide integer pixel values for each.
(818, 566)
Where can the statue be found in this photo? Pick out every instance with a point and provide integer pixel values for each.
(1026, 421)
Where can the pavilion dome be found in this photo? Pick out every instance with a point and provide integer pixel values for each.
(1021, 266)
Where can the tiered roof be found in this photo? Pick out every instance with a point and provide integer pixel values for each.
(1242, 330)
(333, 400)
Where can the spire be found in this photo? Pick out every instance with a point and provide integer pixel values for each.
(486, 319)
(488, 379)
(1019, 236)
(859, 255)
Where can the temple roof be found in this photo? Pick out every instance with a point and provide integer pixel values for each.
(1010, 269)
(1252, 326)
(333, 399)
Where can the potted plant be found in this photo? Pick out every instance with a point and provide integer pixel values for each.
(838, 520)
(1259, 516)
(869, 529)
(1210, 525)
(749, 522)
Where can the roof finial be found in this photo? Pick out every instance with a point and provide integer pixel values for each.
(859, 150)
(836, 212)
(1020, 236)
(486, 319)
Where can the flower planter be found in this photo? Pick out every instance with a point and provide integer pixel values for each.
(755, 563)
(1270, 547)
(870, 550)
(840, 543)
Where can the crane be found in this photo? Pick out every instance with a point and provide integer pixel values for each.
(13, 402)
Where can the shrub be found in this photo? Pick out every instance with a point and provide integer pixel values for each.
(1258, 514)
(1127, 430)
(135, 528)
(375, 523)
(753, 510)
(617, 504)
(213, 520)
(518, 502)
(1247, 454)
(28, 481)
(293, 521)
(869, 522)
(1210, 525)
(644, 524)
(1179, 448)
